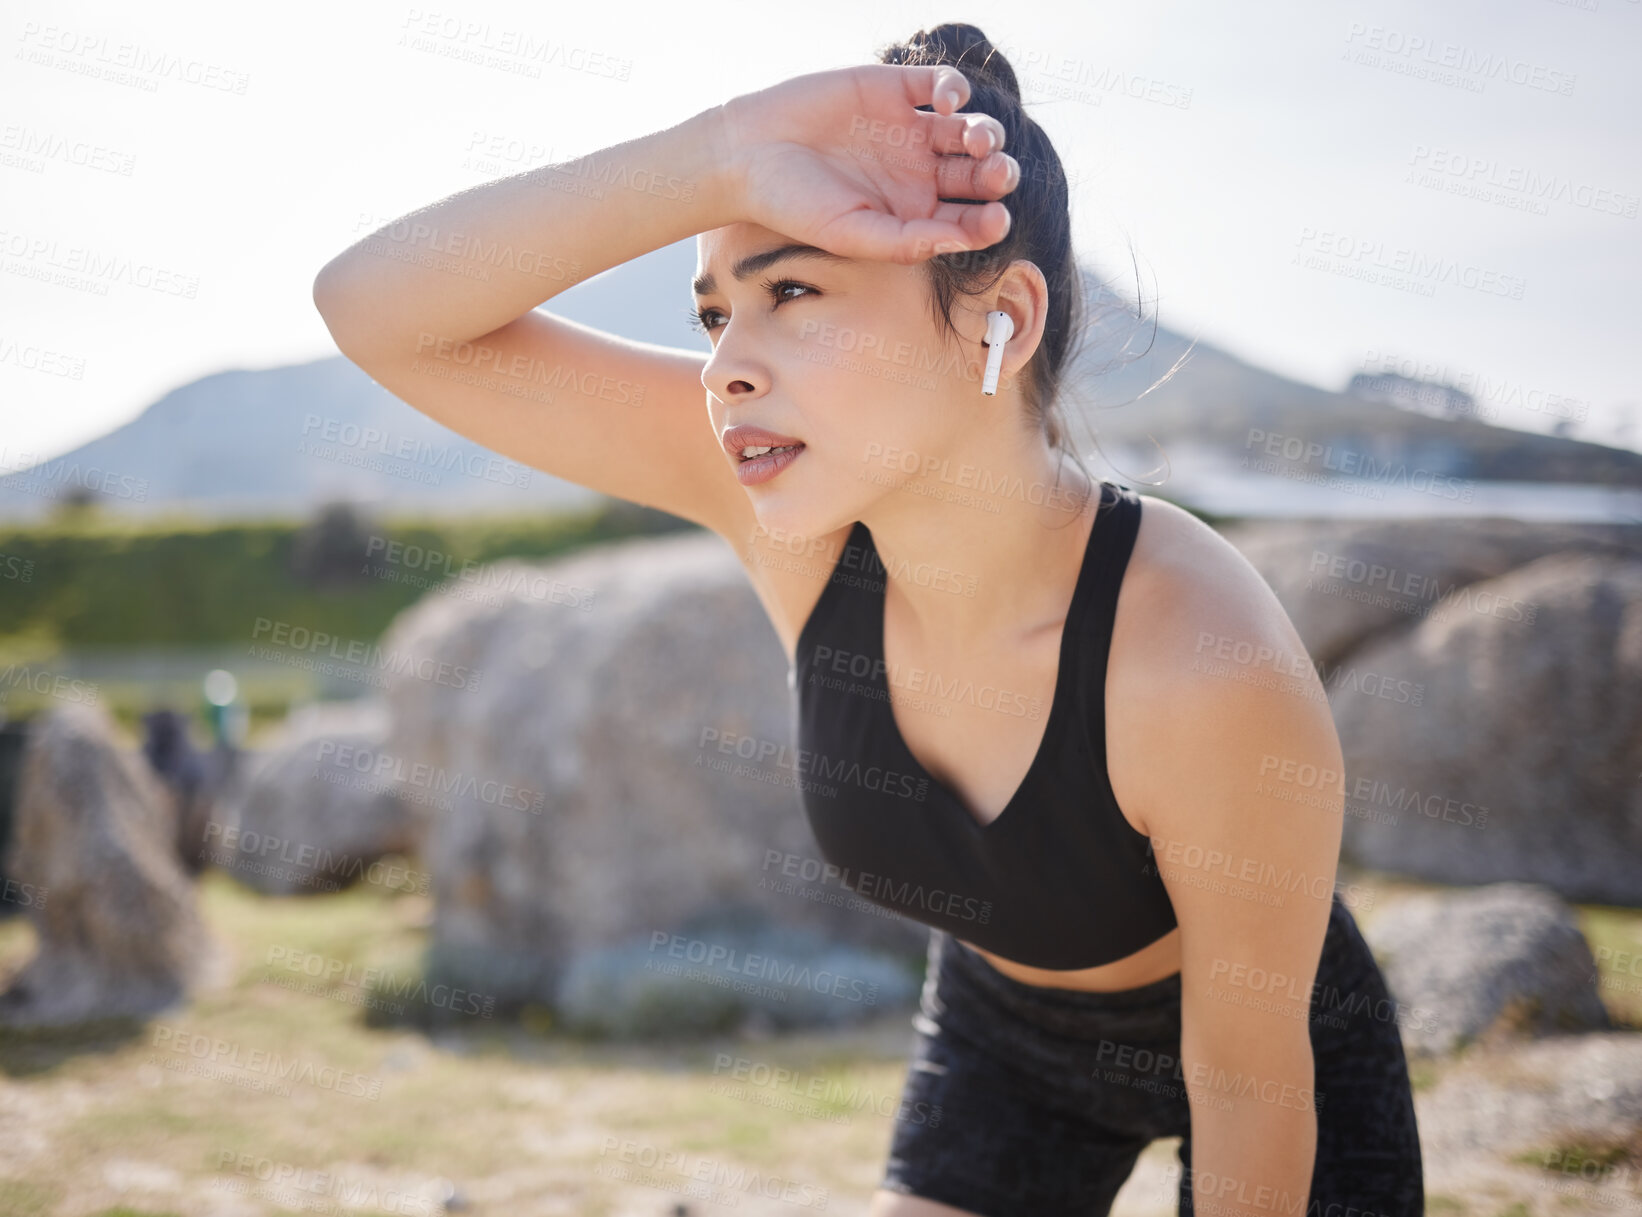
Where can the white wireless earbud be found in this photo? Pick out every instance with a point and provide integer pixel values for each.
(999, 330)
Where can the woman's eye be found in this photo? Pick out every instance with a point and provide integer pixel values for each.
(705, 320)
(782, 285)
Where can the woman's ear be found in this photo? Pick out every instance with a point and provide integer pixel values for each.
(1023, 295)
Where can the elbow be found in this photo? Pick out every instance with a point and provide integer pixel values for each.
(327, 292)
(330, 301)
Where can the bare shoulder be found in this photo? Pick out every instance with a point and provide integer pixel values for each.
(1186, 588)
(1203, 658)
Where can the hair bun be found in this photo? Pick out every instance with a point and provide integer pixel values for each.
(966, 48)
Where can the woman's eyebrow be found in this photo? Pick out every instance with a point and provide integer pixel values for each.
(705, 284)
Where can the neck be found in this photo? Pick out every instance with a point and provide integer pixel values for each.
(996, 554)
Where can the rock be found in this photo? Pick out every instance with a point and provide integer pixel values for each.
(319, 809)
(1499, 962)
(118, 928)
(1521, 760)
(706, 981)
(1537, 1098)
(1343, 581)
(615, 730)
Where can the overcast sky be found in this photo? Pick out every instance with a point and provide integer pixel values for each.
(1319, 188)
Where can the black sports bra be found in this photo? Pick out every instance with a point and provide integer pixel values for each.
(1059, 879)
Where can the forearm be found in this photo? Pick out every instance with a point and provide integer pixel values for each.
(1251, 1158)
(476, 260)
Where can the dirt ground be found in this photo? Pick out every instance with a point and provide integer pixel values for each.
(273, 1094)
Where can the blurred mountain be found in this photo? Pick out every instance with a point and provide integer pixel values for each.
(1217, 404)
(284, 440)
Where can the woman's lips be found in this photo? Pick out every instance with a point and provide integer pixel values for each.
(748, 436)
(762, 468)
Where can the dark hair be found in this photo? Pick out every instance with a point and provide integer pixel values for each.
(1039, 209)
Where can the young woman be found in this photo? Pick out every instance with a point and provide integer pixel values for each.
(1065, 725)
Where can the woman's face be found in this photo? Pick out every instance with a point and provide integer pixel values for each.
(843, 355)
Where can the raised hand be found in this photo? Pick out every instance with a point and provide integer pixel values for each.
(845, 161)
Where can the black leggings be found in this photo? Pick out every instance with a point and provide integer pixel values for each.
(1036, 1100)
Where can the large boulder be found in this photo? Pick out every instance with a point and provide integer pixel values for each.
(118, 928)
(1569, 1105)
(1521, 761)
(1343, 581)
(1494, 963)
(617, 727)
(322, 806)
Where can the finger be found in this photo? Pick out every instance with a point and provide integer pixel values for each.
(964, 134)
(948, 89)
(932, 85)
(876, 235)
(979, 224)
(961, 177)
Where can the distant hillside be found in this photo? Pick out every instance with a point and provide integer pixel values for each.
(281, 441)
(1215, 398)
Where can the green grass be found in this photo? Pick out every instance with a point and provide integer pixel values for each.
(85, 595)
(478, 1101)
